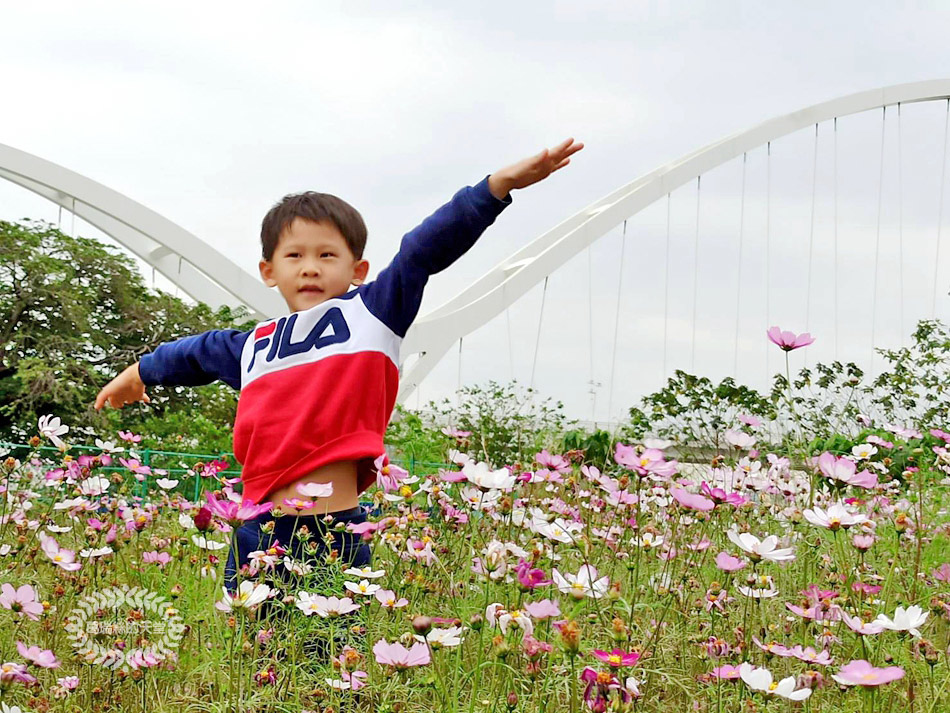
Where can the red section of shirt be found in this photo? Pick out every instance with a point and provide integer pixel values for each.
(293, 421)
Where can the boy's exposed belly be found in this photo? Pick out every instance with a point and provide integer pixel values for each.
(345, 496)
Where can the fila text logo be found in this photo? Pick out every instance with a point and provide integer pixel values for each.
(331, 328)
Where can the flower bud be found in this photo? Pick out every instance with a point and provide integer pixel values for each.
(422, 624)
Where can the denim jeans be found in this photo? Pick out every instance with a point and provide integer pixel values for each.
(251, 537)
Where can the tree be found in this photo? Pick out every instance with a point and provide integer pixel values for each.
(73, 313)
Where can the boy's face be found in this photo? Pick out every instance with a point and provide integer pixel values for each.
(311, 264)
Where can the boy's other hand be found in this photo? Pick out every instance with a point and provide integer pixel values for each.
(530, 170)
(126, 388)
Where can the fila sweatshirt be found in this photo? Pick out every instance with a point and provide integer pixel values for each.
(319, 385)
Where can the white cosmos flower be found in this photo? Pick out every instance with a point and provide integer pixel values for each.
(186, 521)
(109, 446)
(479, 499)
(909, 619)
(324, 606)
(364, 588)
(438, 638)
(760, 679)
(208, 544)
(648, 540)
(560, 530)
(58, 529)
(583, 584)
(96, 485)
(366, 572)
(96, 552)
(863, 451)
(301, 569)
(758, 593)
(166, 483)
(835, 517)
(760, 549)
(315, 490)
(248, 596)
(51, 427)
(483, 476)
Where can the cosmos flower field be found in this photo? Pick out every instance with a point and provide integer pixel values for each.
(761, 580)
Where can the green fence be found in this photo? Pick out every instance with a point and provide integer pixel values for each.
(170, 461)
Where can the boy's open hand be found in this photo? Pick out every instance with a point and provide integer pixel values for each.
(126, 388)
(530, 170)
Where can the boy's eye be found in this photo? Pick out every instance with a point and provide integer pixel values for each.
(327, 254)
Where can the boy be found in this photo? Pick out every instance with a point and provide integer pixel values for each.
(318, 386)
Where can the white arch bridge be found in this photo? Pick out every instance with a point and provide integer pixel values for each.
(807, 220)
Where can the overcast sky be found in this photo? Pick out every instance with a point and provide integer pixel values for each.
(210, 112)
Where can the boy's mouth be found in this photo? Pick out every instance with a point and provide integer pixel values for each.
(309, 289)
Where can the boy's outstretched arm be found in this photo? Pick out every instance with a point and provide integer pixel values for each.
(396, 294)
(530, 170)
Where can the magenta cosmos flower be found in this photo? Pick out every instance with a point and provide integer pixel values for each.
(236, 513)
(787, 341)
(617, 658)
(399, 656)
(861, 673)
(691, 501)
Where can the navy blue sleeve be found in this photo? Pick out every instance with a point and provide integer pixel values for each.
(441, 239)
(196, 360)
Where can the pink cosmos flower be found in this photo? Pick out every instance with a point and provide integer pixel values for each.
(235, 514)
(554, 462)
(421, 551)
(156, 557)
(726, 672)
(773, 647)
(65, 559)
(750, 421)
(388, 599)
(388, 476)
(861, 627)
(905, 433)
(545, 609)
(617, 658)
(456, 433)
(843, 470)
(787, 341)
(35, 655)
(942, 573)
(69, 683)
(728, 563)
(129, 436)
(11, 671)
(138, 470)
(691, 501)
(809, 655)
(399, 656)
(21, 600)
(649, 462)
(366, 529)
(719, 495)
(862, 673)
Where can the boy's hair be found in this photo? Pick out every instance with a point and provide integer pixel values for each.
(316, 207)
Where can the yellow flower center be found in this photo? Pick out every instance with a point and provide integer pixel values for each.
(614, 660)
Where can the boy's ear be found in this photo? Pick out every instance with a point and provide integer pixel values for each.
(267, 273)
(360, 271)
